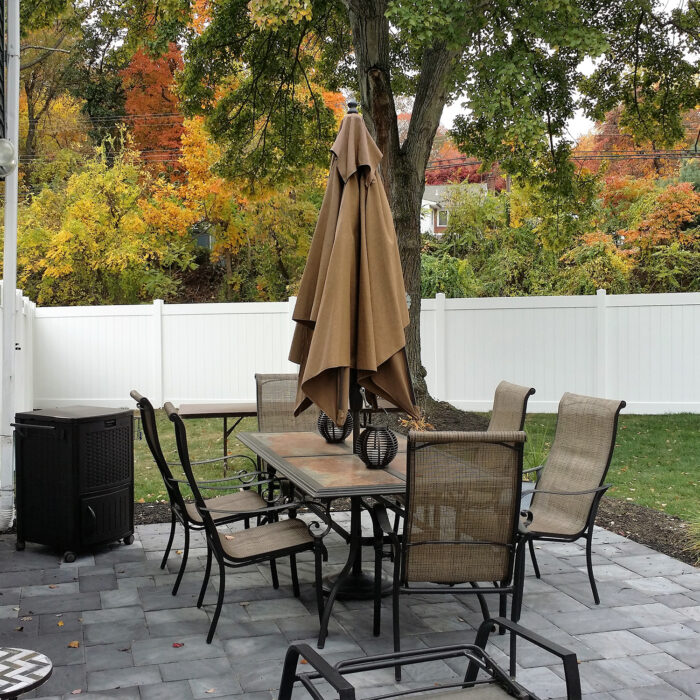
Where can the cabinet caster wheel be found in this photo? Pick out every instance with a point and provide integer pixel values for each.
(129, 539)
(19, 546)
(69, 557)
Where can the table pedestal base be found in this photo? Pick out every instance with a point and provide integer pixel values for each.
(357, 586)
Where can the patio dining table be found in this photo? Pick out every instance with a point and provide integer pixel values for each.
(324, 472)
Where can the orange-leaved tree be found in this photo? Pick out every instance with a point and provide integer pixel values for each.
(152, 104)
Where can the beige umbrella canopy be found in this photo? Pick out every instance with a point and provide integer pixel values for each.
(351, 308)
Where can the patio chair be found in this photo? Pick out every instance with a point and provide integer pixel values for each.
(494, 683)
(461, 525)
(508, 413)
(186, 513)
(276, 396)
(264, 543)
(509, 406)
(570, 484)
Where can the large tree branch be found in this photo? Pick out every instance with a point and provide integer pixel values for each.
(48, 51)
(431, 96)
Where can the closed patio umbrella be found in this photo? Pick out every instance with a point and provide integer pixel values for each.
(351, 309)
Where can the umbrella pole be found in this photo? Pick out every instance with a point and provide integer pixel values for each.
(355, 407)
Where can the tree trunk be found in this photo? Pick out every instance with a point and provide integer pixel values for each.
(403, 165)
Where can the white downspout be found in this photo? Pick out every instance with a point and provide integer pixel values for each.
(9, 273)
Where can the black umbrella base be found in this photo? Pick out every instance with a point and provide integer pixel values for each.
(357, 586)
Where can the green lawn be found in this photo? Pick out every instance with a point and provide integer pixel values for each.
(656, 461)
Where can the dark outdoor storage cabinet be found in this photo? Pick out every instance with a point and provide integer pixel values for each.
(75, 477)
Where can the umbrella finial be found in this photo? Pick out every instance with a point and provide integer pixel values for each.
(352, 107)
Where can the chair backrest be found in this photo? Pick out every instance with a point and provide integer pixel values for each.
(579, 458)
(184, 454)
(276, 397)
(462, 506)
(150, 429)
(509, 406)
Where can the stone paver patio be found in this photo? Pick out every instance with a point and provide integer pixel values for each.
(642, 642)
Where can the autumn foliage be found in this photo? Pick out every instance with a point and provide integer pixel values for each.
(152, 104)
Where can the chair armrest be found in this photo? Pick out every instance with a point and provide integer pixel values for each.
(533, 469)
(258, 511)
(213, 460)
(322, 670)
(568, 657)
(602, 488)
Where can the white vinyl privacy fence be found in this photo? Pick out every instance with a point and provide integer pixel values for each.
(641, 348)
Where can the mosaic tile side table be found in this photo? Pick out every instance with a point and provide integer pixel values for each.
(22, 670)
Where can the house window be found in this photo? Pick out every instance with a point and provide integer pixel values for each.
(442, 217)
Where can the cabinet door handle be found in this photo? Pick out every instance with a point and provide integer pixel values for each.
(91, 525)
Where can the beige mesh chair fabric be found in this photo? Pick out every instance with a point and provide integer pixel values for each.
(509, 407)
(578, 461)
(276, 397)
(463, 494)
(567, 494)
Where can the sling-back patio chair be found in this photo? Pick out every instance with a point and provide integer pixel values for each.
(276, 398)
(509, 406)
(264, 543)
(570, 483)
(461, 526)
(239, 502)
(508, 413)
(321, 680)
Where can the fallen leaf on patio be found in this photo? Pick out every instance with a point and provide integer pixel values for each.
(303, 661)
(177, 645)
(211, 690)
(17, 608)
(59, 614)
(19, 629)
(60, 623)
(124, 649)
(52, 585)
(77, 691)
(25, 618)
(461, 619)
(178, 551)
(228, 537)
(244, 602)
(74, 644)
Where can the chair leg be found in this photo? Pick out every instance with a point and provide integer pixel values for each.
(219, 600)
(589, 564)
(183, 563)
(173, 523)
(378, 546)
(295, 575)
(396, 625)
(205, 582)
(324, 552)
(318, 575)
(518, 582)
(531, 545)
(482, 602)
(273, 571)
(246, 523)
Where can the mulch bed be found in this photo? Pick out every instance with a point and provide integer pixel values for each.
(660, 531)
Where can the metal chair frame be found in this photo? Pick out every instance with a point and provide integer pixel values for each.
(512, 583)
(474, 654)
(178, 509)
(225, 560)
(587, 530)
